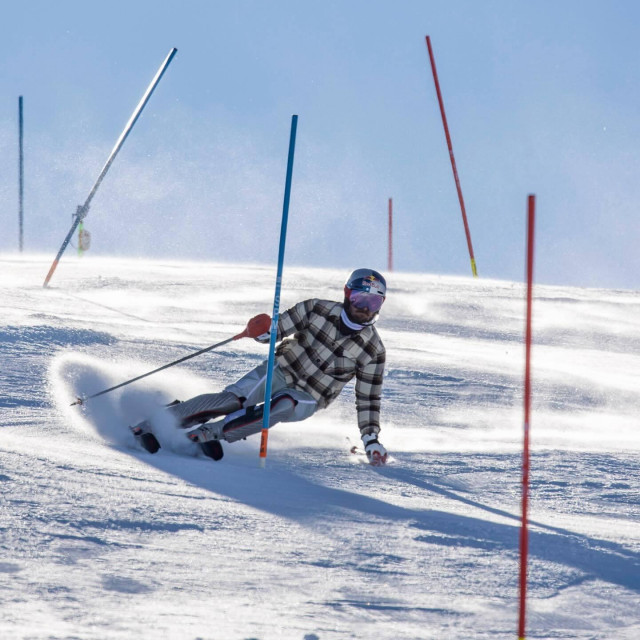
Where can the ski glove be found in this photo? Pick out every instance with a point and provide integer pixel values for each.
(376, 453)
(264, 338)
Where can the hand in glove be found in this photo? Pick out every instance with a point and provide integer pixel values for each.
(376, 453)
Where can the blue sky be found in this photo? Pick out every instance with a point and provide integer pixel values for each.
(541, 98)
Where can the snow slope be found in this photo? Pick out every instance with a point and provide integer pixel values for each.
(102, 540)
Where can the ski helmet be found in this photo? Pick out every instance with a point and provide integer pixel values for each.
(365, 289)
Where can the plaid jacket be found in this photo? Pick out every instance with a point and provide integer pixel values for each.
(320, 360)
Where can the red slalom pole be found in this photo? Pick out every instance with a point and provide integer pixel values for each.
(452, 158)
(524, 533)
(390, 250)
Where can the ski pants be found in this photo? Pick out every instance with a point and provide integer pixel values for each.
(241, 397)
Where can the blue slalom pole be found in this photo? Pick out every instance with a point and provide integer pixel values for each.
(276, 298)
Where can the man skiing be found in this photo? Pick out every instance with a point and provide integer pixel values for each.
(323, 345)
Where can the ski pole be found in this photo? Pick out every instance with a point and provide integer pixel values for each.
(255, 327)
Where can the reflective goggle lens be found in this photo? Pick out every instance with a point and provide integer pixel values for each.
(364, 300)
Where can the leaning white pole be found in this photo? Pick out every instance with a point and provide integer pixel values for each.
(84, 209)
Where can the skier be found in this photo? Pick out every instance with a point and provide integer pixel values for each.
(323, 345)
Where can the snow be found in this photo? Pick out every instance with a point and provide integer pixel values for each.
(102, 540)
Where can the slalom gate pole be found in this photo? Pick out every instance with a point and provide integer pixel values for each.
(256, 326)
(524, 533)
(21, 174)
(83, 210)
(390, 250)
(276, 298)
(452, 158)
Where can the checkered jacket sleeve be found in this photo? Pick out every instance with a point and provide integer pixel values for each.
(368, 392)
(295, 319)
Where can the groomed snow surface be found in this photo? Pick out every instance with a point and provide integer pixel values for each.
(102, 540)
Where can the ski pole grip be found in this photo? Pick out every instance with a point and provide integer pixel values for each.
(258, 325)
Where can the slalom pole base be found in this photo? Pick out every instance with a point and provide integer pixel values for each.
(263, 447)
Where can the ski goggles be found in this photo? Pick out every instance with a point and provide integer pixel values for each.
(365, 300)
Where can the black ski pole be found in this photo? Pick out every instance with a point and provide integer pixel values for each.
(255, 327)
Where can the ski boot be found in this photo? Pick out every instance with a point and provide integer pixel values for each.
(143, 434)
(212, 449)
(208, 435)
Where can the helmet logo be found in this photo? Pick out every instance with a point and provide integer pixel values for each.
(372, 284)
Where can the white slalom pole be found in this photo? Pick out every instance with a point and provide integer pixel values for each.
(276, 298)
(82, 210)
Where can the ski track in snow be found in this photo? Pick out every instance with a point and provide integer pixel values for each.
(102, 540)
